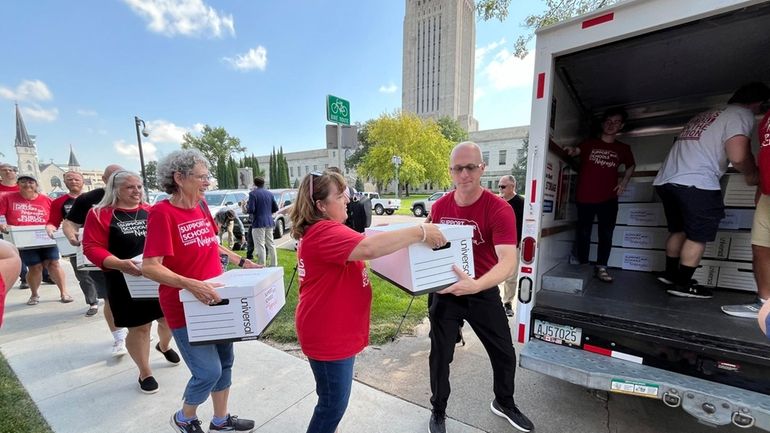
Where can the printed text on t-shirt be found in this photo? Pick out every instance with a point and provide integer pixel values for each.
(603, 157)
(197, 231)
(30, 213)
(696, 126)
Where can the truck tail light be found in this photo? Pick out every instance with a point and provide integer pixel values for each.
(528, 250)
(525, 290)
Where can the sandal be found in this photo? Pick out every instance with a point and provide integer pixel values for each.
(602, 275)
(66, 299)
(33, 300)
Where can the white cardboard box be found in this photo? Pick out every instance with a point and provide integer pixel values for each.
(740, 246)
(737, 275)
(638, 192)
(641, 214)
(707, 273)
(29, 237)
(140, 287)
(635, 237)
(737, 219)
(82, 261)
(633, 259)
(251, 300)
(65, 247)
(418, 269)
(737, 193)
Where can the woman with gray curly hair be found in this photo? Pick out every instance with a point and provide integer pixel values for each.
(182, 251)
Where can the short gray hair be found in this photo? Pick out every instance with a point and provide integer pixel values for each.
(179, 161)
(510, 178)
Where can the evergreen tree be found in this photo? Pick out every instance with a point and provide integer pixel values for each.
(232, 173)
(519, 170)
(359, 184)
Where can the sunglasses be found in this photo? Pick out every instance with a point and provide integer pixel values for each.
(470, 168)
(503, 186)
(312, 175)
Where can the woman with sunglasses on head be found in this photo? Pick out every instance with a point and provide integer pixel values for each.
(335, 294)
(182, 251)
(114, 234)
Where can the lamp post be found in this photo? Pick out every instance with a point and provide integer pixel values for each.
(396, 160)
(137, 122)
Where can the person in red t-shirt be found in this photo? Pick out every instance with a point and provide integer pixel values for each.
(335, 294)
(9, 269)
(476, 301)
(181, 251)
(598, 187)
(26, 208)
(8, 178)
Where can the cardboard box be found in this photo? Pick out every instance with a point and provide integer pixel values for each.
(635, 237)
(66, 249)
(29, 237)
(737, 275)
(418, 269)
(737, 219)
(737, 193)
(637, 192)
(641, 214)
(251, 298)
(707, 273)
(633, 259)
(82, 261)
(140, 287)
(740, 246)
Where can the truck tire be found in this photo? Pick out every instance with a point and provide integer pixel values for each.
(389, 211)
(279, 230)
(418, 211)
(378, 209)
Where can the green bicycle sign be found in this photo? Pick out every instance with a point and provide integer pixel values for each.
(337, 110)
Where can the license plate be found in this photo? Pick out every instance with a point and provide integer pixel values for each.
(559, 334)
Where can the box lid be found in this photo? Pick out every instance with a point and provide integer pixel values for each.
(240, 283)
(451, 232)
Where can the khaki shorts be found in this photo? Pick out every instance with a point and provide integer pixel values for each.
(760, 229)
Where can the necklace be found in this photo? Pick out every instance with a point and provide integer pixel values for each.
(128, 216)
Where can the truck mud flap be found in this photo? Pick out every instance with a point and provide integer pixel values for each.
(710, 402)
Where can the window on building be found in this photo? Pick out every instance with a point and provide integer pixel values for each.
(291, 171)
(307, 169)
(502, 157)
(489, 184)
(485, 157)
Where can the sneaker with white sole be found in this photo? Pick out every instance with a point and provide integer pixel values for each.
(512, 415)
(194, 426)
(690, 291)
(748, 311)
(233, 423)
(119, 348)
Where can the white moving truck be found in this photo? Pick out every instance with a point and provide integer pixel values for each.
(664, 61)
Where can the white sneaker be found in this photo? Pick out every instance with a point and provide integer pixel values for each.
(749, 311)
(119, 348)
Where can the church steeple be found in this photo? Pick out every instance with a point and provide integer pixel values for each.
(73, 164)
(25, 149)
(22, 138)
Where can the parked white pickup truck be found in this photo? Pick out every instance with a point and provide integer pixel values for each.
(382, 205)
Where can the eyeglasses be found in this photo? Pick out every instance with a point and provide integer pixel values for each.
(503, 186)
(470, 168)
(202, 177)
(312, 175)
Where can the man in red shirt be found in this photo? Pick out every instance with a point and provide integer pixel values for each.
(476, 301)
(598, 188)
(25, 208)
(8, 181)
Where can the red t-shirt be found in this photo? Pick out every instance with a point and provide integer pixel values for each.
(492, 218)
(335, 295)
(59, 209)
(764, 154)
(96, 235)
(187, 241)
(599, 163)
(19, 211)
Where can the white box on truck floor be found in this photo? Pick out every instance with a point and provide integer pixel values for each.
(65, 247)
(641, 214)
(636, 237)
(737, 275)
(251, 298)
(737, 193)
(633, 259)
(737, 219)
(637, 192)
(418, 269)
(29, 237)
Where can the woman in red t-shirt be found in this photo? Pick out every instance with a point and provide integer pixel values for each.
(335, 295)
(598, 188)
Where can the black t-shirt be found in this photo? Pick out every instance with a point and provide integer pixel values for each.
(83, 204)
(517, 203)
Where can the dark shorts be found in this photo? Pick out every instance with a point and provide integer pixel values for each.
(38, 255)
(696, 212)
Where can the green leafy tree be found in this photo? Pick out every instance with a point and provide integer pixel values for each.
(151, 173)
(451, 129)
(555, 11)
(364, 145)
(359, 184)
(424, 151)
(519, 170)
(215, 144)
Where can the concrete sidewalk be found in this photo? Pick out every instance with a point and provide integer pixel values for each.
(63, 360)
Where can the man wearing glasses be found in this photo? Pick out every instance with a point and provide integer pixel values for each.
(507, 186)
(476, 301)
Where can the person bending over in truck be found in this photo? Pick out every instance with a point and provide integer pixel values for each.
(688, 183)
(476, 301)
(598, 188)
(760, 230)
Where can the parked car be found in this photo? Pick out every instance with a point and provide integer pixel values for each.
(229, 198)
(53, 195)
(154, 197)
(382, 205)
(421, 208)
(285, 199)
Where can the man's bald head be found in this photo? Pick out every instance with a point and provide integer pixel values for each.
(465, 148)
(112, 168)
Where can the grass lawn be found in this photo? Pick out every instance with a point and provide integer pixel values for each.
(17, 411)
(388, 306)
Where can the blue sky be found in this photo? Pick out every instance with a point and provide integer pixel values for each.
(82, 70)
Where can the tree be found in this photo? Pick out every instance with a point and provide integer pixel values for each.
(151, 173)
(519, 170)
(279, 170)
(451, 129)
(424, 151)
(363, 145)
(359, 184)
(556, 11)
(215, 144)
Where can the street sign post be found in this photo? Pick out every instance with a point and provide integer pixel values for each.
(337, 110)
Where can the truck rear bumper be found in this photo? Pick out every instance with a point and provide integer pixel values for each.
(710, 402)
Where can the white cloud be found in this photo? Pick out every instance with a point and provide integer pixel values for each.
(35, 90)
(87, 113)
(198, 127)
(36, 112)
(131, 150)
(162, 131)
(481, 52)
(478, 93)
(183, 17)
(506, 71)
(390, 88)
(255, 58)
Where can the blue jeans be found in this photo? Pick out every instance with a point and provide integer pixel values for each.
(333, 380)
(210, 364)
